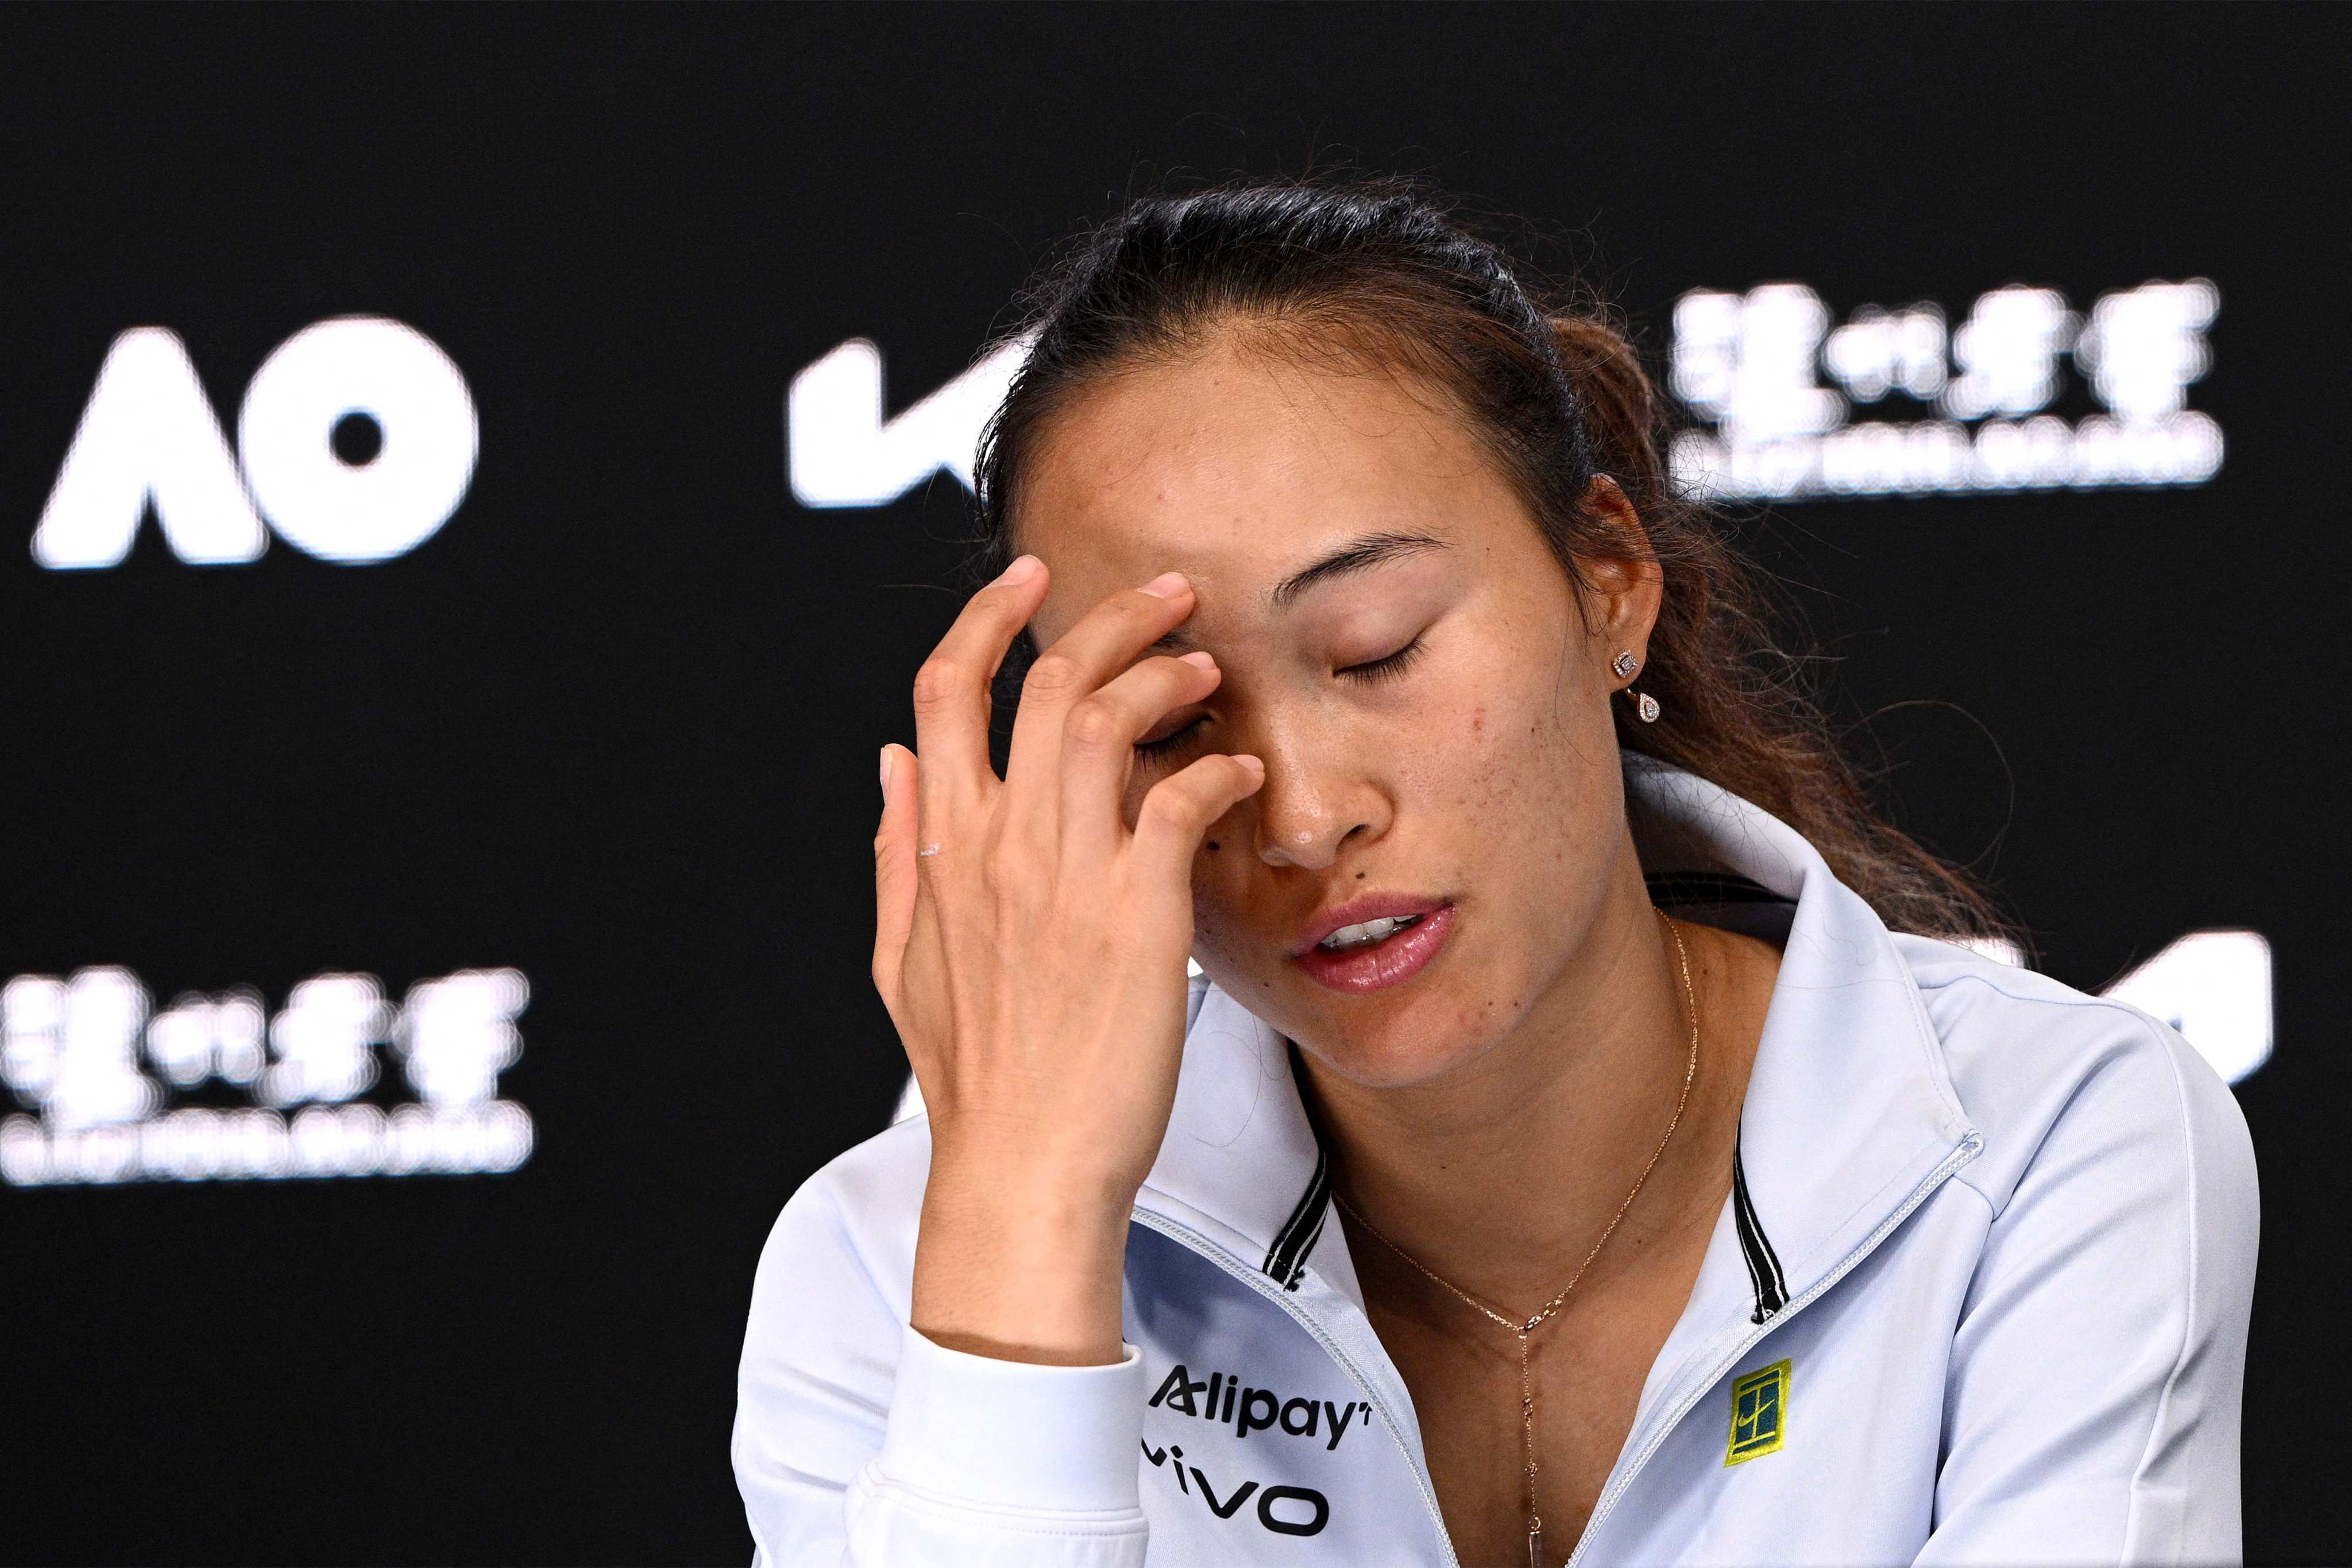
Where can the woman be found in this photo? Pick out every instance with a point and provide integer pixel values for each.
(1580, 1140)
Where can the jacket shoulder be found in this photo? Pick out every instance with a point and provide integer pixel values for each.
(852, 1222)
(2045, 1070)
(822, 1340)
(2092, 1393)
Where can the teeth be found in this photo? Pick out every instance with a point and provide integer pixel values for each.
(1364, 935)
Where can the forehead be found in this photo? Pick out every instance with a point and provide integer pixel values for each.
(1236, 466)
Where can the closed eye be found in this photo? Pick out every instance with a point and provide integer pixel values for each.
(1166, 745)
(1386, 668)
(1369, 673)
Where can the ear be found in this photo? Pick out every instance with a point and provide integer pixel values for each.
(1625, 593)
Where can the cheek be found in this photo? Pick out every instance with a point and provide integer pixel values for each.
(1519, 778)
(1502, 751)
(1498, 780)
(1221, 890)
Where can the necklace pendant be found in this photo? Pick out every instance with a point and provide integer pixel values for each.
(1534, 1548)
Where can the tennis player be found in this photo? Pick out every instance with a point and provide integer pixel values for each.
(1593, 1134)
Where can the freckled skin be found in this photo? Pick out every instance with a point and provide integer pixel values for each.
(1491, 1111)
(1235, 469)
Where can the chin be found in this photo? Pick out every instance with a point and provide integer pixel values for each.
(1397, 1041)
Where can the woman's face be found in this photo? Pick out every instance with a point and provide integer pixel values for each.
(1401, 649)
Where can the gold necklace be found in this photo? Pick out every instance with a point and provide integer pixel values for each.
(1523, 1328)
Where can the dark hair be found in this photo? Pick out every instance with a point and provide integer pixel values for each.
(1378, 271)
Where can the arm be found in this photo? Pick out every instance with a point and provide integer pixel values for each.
(972, 1402)
(2092, 1410)
(1030, 938)
(858, 1441)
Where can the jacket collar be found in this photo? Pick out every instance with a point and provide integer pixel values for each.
(1848, 1105)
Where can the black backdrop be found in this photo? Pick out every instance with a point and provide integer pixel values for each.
(614, 725)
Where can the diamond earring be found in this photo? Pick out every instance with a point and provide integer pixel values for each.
(1625, 664)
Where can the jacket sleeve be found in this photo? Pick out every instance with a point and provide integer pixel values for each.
(2092, 1406)
(860, 1444)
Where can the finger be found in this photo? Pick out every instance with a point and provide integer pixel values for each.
(896, 879)
(1180, 808)
(1099, 744)
(951, 690)
(1106, 640)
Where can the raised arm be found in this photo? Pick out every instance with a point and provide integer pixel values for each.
(1030, 945)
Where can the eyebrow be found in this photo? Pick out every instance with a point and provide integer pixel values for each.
(1355, 555)
(1360, 555)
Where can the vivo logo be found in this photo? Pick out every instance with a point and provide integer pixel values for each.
(356, 441)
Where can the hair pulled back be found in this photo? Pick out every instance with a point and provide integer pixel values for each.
(1377, 271)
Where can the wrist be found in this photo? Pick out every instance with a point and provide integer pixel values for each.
(1021, 1271)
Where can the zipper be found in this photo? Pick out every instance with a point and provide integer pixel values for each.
(1970, 1147)
(1256, 1279)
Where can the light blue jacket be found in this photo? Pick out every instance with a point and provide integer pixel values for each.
(1979, 1295)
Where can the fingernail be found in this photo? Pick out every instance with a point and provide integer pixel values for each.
(1257, 764)
(886, 771)
(1023, 568)
(1197, 661)
(1167, 585)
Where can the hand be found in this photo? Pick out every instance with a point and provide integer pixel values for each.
(1030, 946)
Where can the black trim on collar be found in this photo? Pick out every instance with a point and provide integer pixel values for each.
(1287, 1260)
(1709, 887)
(1763, 1263)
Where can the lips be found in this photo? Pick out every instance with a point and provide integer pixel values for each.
(1357, 911)
(1415, 928)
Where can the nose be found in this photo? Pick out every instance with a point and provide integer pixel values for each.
(1310, 807)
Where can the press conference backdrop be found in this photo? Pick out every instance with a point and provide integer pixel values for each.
(484, 479)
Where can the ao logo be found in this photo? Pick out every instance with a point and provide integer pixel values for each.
(149, 434)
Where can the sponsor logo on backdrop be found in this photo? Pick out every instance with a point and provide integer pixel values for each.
(840, 450)
(1967, 409)
(1774, 379)
(356, 441)
(214, 1087)
(2214, 986)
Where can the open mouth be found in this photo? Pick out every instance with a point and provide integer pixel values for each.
(1373, 954)
(1349, 938)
